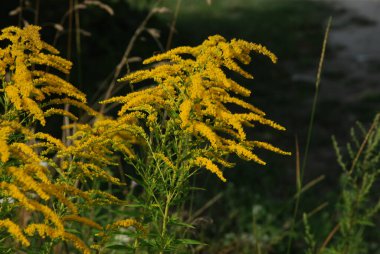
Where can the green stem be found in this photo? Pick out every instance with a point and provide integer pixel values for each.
(165, 218)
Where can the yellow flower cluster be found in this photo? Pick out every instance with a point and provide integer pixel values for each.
(93, 147)
(125, 224)
(165, 159)
(28, 86)
(29, 176)
(44, 230)
(82, 220)
(27, 158)
(204, 162)
(32, 186)
(15, 231)
(192, 88)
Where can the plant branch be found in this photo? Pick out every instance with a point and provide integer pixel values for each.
(126, 54)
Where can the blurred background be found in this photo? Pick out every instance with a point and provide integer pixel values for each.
(256, 203)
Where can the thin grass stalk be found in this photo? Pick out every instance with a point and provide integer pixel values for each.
(298, 170)
(310, 129)
(126, 54)
(328, 238)
(66, 121)
(36, 12)
(315, 100)
(208, 204)
(78, 45)
(309, 185)
(362, 146)
(20, 13)
(172, 25)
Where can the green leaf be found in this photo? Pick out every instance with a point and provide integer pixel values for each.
(180, 223)
(197, 188)
(190, 241)
(135, 179)
(118, 247)
(72, 230)
(366, 223)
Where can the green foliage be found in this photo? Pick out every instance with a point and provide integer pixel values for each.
(359, 201)
(309, 237)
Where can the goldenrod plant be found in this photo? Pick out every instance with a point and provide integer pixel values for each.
(27, 89)
(186, 124)
(166, 133)
(43, 187)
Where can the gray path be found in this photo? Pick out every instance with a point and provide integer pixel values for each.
(355, 39)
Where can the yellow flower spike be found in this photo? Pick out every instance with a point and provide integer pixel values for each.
(234, 122)
(42, 176)
(38, 94)
(57, 111)
(82, 220)
(42, 230)
(14, 192)
(49, 214)
(225, 163)
(209, 165)
(169, 54)
(196, 90)
(57, 192)
(49, 48)
(166, 160)
(213, 40)
(56, 62)
(126, 224)
(45, 231)
(78, 243)
(238, 89)
(91, 170)
(260, 119)
(13, 95)
(31, 106)
(243, 104)
(233, 66)
(53, 84)
(28, 182)
(28, 87)
(16, 126)
(184, 114)
(140, 100)
(22, 77)
(75, 103)
(37, 170)
(206, 132)
(270, 147)
(73, 191)
(261, 49)
(15, 231)
(102, 197)
(125, 149)
(58, 143)
(26, 152)
(4, 148)
(244, 153)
